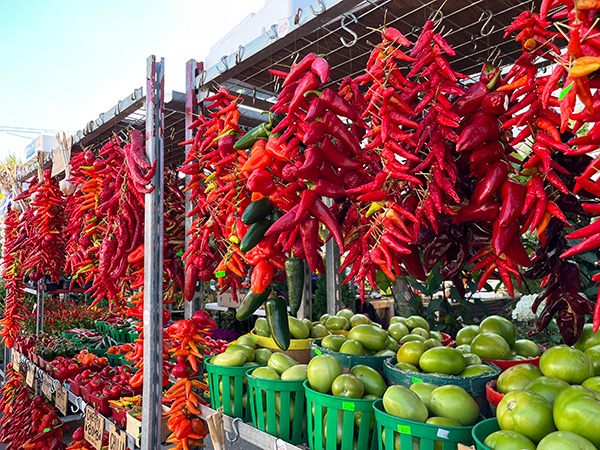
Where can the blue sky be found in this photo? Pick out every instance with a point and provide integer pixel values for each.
(64, 62)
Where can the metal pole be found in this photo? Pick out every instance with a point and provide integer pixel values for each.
(42, 298)
(332, 267)
(305, 310)
(192, 70)
(153, 259)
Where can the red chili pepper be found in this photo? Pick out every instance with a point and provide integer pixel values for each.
(262, 274)
(320, 67)
(299, 69)
(494, 177)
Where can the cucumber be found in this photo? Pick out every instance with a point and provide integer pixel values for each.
(254, 235)
(294, 271)
(277, 318)
(257, 210)
(251, 303)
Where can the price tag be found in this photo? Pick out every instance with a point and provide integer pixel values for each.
(405, 429)
(318, 351)
(117, 440)
(46, 386)
(93, 428)
(416, 380)
(30, 378)
(62, 399)
(17, 361)
(348, 406)
(279, 445)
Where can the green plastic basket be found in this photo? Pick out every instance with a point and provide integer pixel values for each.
(231, 378)
(119, 335)
(114, 359)
(473, 385)
(339, 410)
(482, 430)
(124, 362)
(132, 336)
(101, 326)
(263, 395)
(98, 351)
(428, 435)
(346, 360)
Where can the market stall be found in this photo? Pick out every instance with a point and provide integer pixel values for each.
(353, 143)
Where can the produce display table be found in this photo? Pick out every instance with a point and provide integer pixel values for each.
(78, 402)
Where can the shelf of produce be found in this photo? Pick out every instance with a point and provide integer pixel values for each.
(248, 433)
(81, 405)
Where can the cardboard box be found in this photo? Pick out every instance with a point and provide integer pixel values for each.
(134, 427)
(226, 300)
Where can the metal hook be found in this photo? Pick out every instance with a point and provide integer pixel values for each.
(272, 32)
(239, 55)
(474, 42)
(297, 16)
(201, 78)
(53, 388)
(414, 31)
(76, 405)
(224, 61)
(235, 425)
(436, 22)
(489, 15)
(344, 27)
(321, 5)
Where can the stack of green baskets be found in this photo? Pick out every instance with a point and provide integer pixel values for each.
(331, 422)
(402, 433)
(482, 430)
(278, 407)
(228, 386)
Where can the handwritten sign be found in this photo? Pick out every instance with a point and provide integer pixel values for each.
(117, 440)
(30, 378)
(62, 399)
(93, 428)
(17, 361)
(47, 386)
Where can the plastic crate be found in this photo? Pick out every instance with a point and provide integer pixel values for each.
(74, 387)
(98, 351)
(492, 395)
(508, 363)
(482, 430)
(338, 408)
(124, 362)
(119, 415)
(348, 361)
(473, 385)
(102, 326)
(101, 404)
(114, 359)
(86, 394)
(119, 335)
(132, 336)
(228, 377)
(262, 397)
(62, 375)
(428, 435)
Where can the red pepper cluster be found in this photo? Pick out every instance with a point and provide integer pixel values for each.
(558, 164)
(107, 219)
(28, 421)
(217, 192)
(45, 220)
(13, 279)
